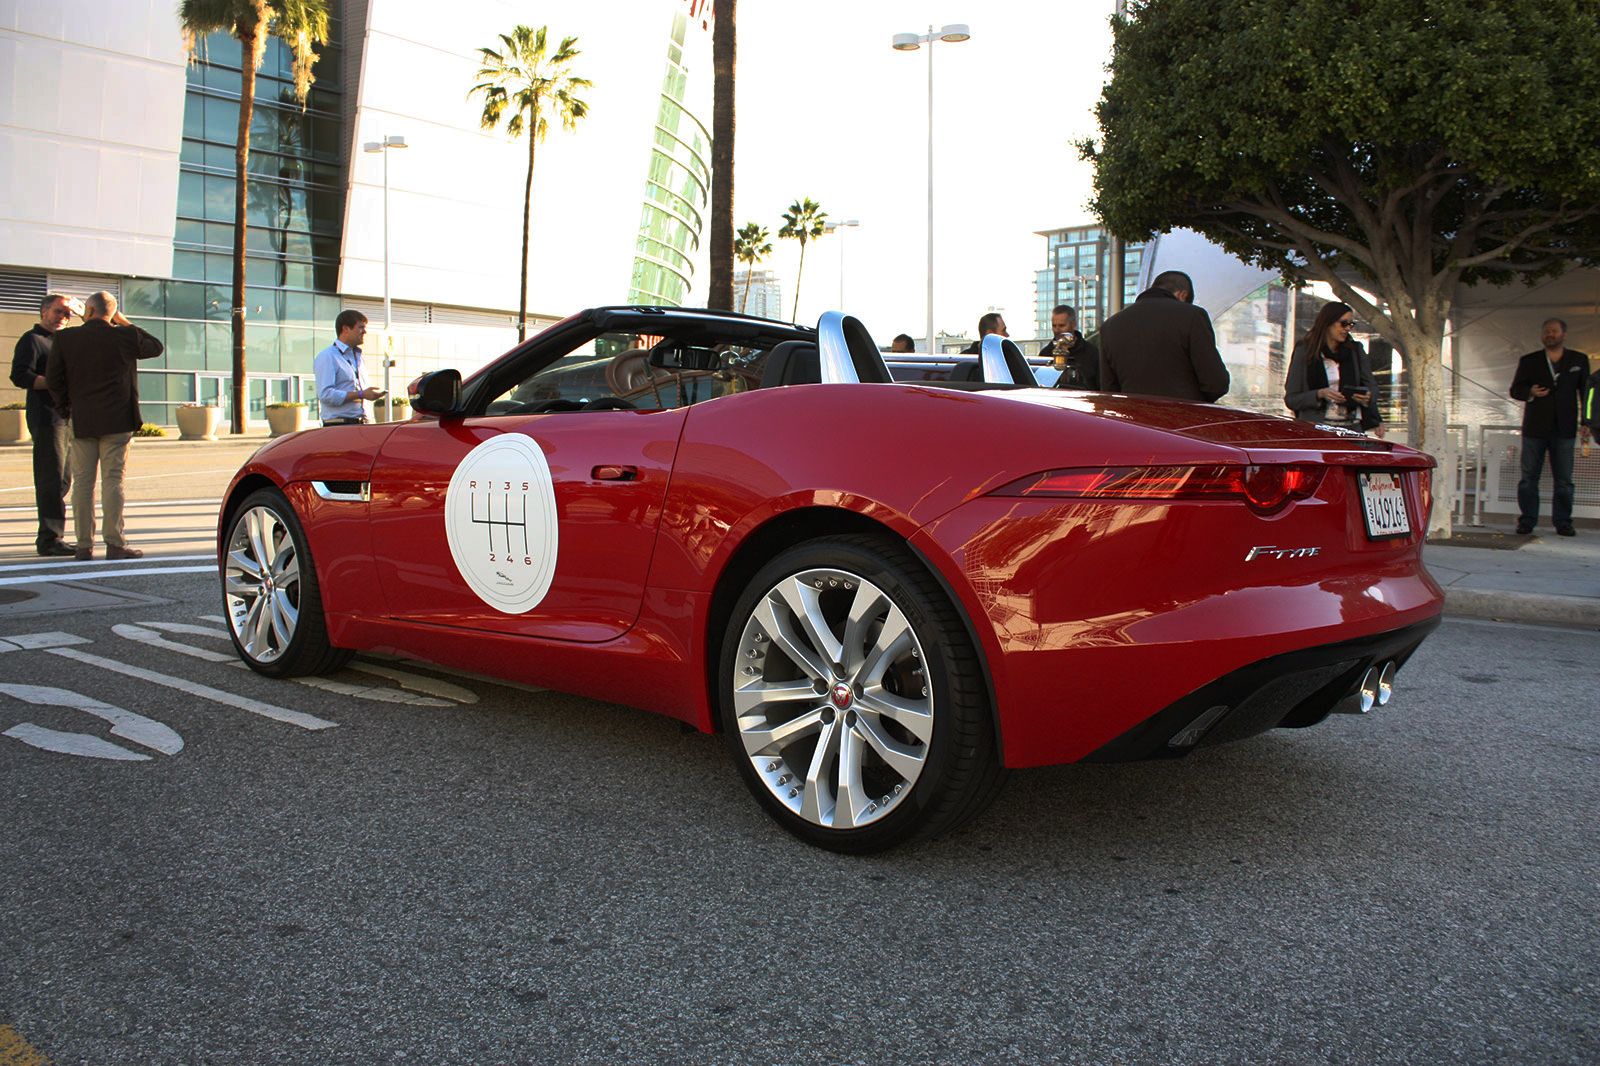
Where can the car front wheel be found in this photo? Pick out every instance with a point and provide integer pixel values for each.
(852, 697)
(270, 593)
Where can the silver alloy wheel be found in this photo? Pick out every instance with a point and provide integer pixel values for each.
(261, 583)
(832, 698)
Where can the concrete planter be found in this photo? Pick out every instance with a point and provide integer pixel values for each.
(402, 412)
(283, 420)
(14, 426)
(198, 423)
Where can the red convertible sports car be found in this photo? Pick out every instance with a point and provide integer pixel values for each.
(884, 593)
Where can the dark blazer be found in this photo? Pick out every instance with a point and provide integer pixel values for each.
(28, 361)
(1557, 414)
(93, 376)
(1161, 346)
(1301, 383)
(1083, 365)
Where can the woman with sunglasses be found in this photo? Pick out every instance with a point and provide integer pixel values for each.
(1330, 379)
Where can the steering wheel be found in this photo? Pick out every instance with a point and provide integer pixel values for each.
(550, 406)
(609, 403)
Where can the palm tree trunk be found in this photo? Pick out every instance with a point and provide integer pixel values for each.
(527, 209)
(248, 31)
(799, 271)
(744, 302)
(723, 55)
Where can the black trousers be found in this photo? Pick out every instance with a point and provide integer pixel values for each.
(52, 477)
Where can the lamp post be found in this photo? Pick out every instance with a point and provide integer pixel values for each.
(833, 227)
(1114, 265)
(954, 33)
(383, 148)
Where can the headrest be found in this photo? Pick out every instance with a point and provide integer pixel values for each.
(792, 363)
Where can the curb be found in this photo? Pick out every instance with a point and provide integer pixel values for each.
(1523, 607)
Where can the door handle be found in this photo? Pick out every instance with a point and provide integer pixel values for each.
(615, 472)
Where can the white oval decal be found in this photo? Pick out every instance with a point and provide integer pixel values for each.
(500, 520)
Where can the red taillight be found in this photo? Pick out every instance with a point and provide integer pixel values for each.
(1264, 488)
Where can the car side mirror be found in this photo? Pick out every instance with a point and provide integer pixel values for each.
(437, 393)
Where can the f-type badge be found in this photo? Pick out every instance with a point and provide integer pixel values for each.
(1275, 552)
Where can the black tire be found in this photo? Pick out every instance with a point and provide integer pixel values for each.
(307, 650)
(960, 770)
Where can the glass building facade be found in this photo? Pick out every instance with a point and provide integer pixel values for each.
(676, 187)
(1077, 273)
(294, 210)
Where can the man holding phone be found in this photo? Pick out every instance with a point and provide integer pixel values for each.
(52, 473)
(1552, 384)
(341, 389)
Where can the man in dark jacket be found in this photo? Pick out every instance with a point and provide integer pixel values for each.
(1553, 383)
(1163, 345)
(1076, 358)
(52, 476)
(989, 323)
(93, 378)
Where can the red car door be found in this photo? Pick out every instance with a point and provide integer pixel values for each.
(535, 524)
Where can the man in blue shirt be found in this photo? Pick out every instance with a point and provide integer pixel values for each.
(341, 388)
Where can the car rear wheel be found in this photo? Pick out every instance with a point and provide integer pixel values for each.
(852, 697)
(270, 594)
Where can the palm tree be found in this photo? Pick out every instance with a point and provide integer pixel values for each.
(723, 245)
(534, 83)
(752, 245)
(802, 222)
(300, 24)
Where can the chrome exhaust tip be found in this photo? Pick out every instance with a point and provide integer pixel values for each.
(1385, 684)
(1368, 694)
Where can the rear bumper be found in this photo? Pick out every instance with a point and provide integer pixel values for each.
(1295, 689)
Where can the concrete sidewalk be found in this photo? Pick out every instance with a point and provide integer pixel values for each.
(1541, 578)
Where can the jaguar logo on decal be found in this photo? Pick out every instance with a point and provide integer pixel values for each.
(500, 521)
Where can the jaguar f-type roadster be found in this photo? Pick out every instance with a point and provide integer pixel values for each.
(884, 593)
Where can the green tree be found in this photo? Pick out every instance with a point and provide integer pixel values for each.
(298, 23)
(752, 244)
(531, 81)
(1394, 149)
(802, 222)
(724, 50)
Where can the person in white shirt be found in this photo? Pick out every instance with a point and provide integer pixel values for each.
(341, 387)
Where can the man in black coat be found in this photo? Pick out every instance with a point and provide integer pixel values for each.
(989, 323)
(1553, 383)
(1162, 345)
(94, 380)
(52, 477)
(1076, 358)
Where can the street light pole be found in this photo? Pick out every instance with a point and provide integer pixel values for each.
(954, 33)
(382, 147)
(1114, 267)
(834, 227)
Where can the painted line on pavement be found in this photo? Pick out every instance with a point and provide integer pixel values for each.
(124, 723)
(15, 1051)
(62, 562)
(265, 710)
(131, 504)
(51, 579)
(84, 745)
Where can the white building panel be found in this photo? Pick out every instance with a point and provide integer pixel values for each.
(91, 115)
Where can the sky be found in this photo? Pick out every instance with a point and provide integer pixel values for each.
(828, 110)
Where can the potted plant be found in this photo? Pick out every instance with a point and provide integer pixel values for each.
(14, 423)
(286, 417)
(400, 409)
(198, 421)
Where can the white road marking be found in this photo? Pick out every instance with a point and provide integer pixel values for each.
(453, 672)
(51, 578)
(265, 710)
(53, 639)
(43, 564)
(92, 747)
(383, 694)
(124, 723)
(417, 682)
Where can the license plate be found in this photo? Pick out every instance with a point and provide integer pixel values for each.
(1383, 506)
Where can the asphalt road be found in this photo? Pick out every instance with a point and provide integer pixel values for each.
(459, 871)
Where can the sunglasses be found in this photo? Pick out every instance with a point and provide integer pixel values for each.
(1345, 322)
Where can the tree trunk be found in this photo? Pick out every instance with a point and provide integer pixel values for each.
(801, 269)
(527, 209)
(744, 301)
(241, 159)
(719, 293)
